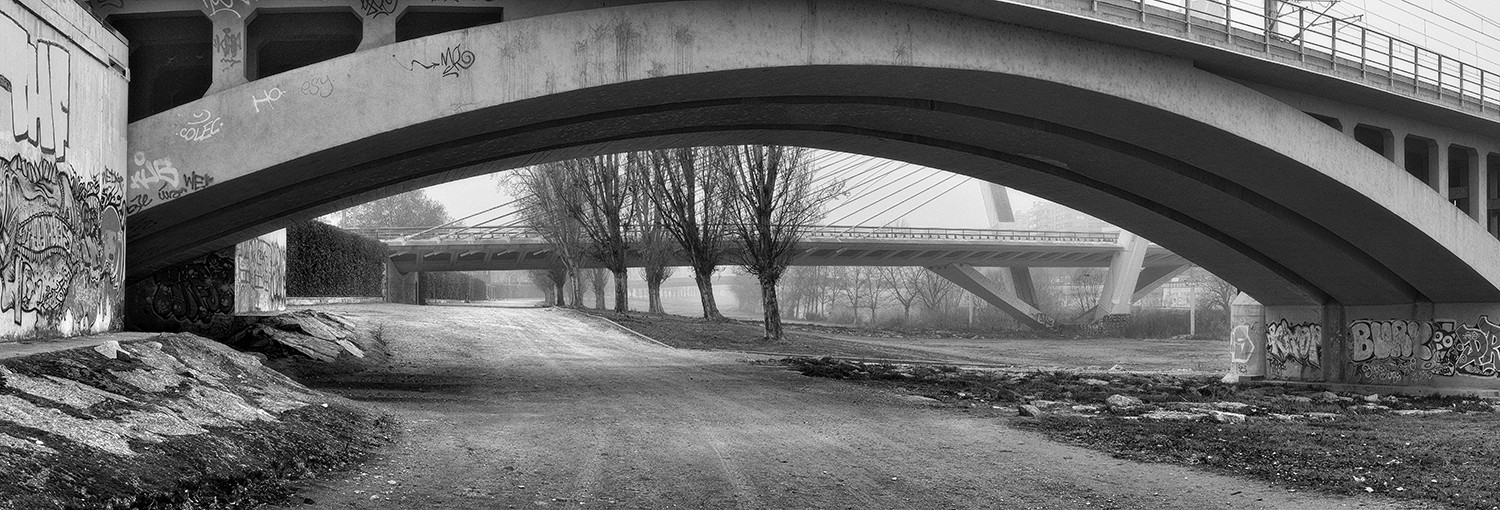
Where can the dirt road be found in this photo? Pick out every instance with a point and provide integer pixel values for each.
(519, 408)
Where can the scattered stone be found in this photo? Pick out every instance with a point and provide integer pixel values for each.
(1118, 400)
(1297, 398)
(1420, 412)
(1231, 406)
(1369, 408)
(1188, 406)
(1373, 397)
(1287, 417)
(1116, 368)
(1326, 396)
(1095, 382)
(920, 399)
(1087, 408)
(1029, 410)
(1171, 416)
(1324, 416)
(1226, 417)
(1044, 404)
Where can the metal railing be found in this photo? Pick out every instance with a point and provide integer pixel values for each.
(1337, 47)
(841, 232)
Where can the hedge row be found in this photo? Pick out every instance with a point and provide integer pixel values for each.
(452, 285)
(323, 260)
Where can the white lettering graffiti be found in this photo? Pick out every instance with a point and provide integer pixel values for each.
(1297, 343)
(203, 126)
(1442, 348)
(267, 97)
(36, 77)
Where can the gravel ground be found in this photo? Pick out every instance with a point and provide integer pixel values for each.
(512, 408)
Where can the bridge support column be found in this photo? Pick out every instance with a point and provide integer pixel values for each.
(1120, 283)
(204, 295)
(1150, 279)
(229, 53)
(404, 288)
(992, 292)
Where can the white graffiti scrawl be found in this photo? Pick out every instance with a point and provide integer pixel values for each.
(203, 126)
(1294, 343)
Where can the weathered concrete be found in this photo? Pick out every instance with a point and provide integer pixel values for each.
(1120, 283)
(1260, 193)
(1006, 299)
(62, 151)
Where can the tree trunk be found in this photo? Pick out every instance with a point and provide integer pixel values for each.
(706, 295)
(622, 299)
(577, 287)
(772, 310)
(598, 289)
(654, 290)
(560, 292)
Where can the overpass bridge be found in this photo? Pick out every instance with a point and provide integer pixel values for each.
(1344, 178)
(1136, 267)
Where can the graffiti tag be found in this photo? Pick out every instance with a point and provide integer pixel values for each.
(1295, 343)
(321, 87)
(203, 126)
(228, 46)
(375, 8)
(1413, 349)
(267, 98)
(451, 61)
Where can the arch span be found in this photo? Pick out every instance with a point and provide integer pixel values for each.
(1253, 189)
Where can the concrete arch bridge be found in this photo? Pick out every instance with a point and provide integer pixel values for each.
(1332, 186)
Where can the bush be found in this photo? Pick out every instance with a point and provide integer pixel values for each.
(325, 261)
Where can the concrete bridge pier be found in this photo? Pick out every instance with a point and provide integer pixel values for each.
(1113, 308)
(404, 288)
(1449, 347)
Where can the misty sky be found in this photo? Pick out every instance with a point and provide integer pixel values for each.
(922, 197)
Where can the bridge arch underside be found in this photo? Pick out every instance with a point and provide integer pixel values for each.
(1257, 192)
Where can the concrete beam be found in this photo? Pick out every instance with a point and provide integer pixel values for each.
(970, 279)
(1120, 283)
(1152, 278)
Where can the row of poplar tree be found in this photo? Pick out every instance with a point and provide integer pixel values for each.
(700, 207)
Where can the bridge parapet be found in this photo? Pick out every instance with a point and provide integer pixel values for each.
(431, 235)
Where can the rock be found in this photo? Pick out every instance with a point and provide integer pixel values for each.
(1369, 408)
(1029, 410)
(1171, 416)
(1420, 412)
(1231, 406)
(1116, 368)
(1087, 408)
(1095, 382)
(1297, 398)
(1118, 400)
(1326, 396)
(918, 399)
(109, 349)
(1287, 417)
(1043, 404)
(1324, 416)
(1226, 417)
(1373, 397)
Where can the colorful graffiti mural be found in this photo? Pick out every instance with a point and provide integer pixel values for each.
(1404, 351)
(62, 229)
(1293, 343)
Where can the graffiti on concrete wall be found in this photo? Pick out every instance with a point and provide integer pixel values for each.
(375, 8)
(451, 60)
(1403, 351)
(202, 126)
(320, 87)
(62, 230)
(1301, 344)
(1241, 346)
(195, 296)
(266, 98)
(260, 274)
(227, 45)
(214, 7)
(155, 179)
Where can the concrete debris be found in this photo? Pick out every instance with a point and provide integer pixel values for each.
(1326, 396)
(1373, 397)
(1226, 417)
(1171, 416)
(1231, 406)
(1420, 412)
(1095, 382)
(1324, 416)
(1118, 400)
(1029, 410)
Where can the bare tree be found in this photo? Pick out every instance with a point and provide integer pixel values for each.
(606, 206)
(552, 281)
(904, 283)
(544, 194)
(773, 200)
(860, 287)
(653, 237)
(685, 192)
(806, 290)
(933, 291)
(598, 282)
